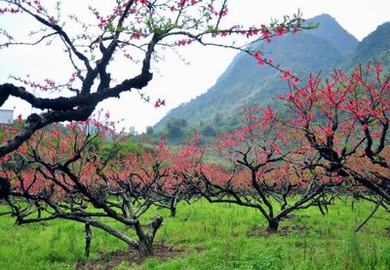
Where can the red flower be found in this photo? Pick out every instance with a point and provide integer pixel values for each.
(285, 75)
(280, 31)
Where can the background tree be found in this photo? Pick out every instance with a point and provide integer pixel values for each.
(67, 176)
(345, 119)
(263, 164)
(182, 162)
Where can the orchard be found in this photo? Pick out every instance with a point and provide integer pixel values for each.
(326, 143)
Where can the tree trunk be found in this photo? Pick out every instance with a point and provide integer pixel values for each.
(173, 211)
(88, 238)
(145, 243)
(173, 206)
(273, 225)
(145, 248)
(5, 188)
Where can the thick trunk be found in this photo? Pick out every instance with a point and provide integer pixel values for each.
(273, 225)
(145, 248)
(145, 243)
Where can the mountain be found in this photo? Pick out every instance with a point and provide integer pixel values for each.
(330, 30)
(245, 82)
(375, 46)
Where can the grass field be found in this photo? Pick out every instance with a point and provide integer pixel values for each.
(215, 237)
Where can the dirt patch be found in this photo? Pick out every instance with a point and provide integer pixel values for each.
(285, 230)
(109, 261)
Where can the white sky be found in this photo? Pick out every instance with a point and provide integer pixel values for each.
(176, 81)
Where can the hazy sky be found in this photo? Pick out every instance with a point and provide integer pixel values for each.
(177, 81)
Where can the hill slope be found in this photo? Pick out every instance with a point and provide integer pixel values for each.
(375, 46)
(245, 82)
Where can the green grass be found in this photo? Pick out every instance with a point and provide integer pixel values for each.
(216, 238)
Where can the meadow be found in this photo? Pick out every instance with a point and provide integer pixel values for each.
(213, 236)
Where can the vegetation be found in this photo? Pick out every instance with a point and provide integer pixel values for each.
(235, 238)
(332, 143)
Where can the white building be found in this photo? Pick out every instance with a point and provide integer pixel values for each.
(6, 116)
